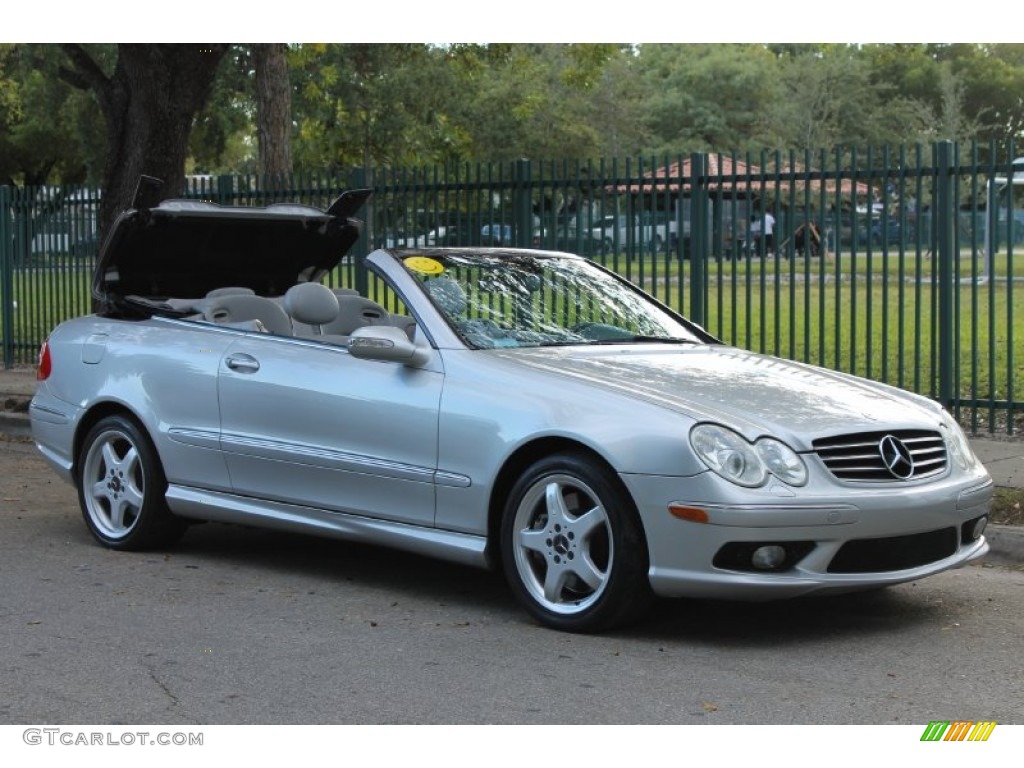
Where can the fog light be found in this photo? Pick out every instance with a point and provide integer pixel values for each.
(768, 558)
(979, 527)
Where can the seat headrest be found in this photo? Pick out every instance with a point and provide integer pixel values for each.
(311, 303)
(230, 290)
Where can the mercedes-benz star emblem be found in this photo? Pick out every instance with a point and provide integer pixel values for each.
(896, 457)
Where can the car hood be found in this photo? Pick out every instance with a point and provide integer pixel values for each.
(184, 248)
(755, 394)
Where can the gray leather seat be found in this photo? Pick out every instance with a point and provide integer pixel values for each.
(311, 306)
(239, 308)
(355, 312)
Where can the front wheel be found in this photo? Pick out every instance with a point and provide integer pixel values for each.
(121, 488)
(572, 547)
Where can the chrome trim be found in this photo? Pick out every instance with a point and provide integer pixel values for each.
(196, 437)
(324, 457)
(452, 480)
(903, 456)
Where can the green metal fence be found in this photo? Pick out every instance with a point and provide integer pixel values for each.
(902, 265)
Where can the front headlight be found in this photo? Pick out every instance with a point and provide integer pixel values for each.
(957, 444)
(782, 461)
(731, 456)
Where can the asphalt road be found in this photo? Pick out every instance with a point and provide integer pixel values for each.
(243, 626)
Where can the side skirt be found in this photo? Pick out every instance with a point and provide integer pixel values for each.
(227, 508)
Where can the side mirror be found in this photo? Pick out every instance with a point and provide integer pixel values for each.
(388, 344)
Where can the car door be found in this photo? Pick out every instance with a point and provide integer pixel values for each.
(306, 423)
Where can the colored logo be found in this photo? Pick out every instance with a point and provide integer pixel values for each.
(958, 730)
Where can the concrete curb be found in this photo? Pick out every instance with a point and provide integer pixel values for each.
(15, 424)
(1006, 544)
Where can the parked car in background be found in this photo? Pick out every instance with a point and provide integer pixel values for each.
(498, 234)
(432, 238)
(527, 411)
(650, 230)
(463, 234)
(569, 239)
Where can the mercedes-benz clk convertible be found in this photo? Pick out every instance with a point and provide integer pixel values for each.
(527, 411)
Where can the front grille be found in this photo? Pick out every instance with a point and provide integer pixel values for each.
(894, 554)
(859, 457)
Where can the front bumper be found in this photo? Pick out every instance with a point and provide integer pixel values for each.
(849, 538)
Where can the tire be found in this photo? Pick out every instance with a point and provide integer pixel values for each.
(572, 547)
(121, 488)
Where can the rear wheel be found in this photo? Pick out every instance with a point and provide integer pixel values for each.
(572, 547)
(121, 488)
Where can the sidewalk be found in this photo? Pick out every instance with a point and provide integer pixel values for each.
(1004, 458)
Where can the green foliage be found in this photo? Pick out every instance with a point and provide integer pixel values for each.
(48, 130)
(223, 139)
(409, 104)
(370, 104)
(704, 97)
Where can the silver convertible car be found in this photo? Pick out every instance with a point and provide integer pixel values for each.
(527, 411)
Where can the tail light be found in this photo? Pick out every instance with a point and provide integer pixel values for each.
(45, 365)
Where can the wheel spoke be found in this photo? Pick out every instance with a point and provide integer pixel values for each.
(533, 540)
(129, 462)
(110, 459)
(100, 490)
(117, 510)
(588, 522)
(587, 572)
(555, 503)
(554, 582)
(133, 496)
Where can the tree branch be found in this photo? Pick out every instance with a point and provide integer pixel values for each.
(86, 73)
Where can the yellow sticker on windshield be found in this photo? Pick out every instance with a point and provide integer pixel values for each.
(424, 265)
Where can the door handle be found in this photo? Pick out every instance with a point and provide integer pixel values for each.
(242, 363)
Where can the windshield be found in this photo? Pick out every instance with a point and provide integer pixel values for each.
(531, 300)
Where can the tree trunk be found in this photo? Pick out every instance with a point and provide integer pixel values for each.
(273, 112)
(148, 104)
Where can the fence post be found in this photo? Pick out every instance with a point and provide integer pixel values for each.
(522, 204)
(225, 189)
(698, 234)
(946, 253)
(7, 275)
